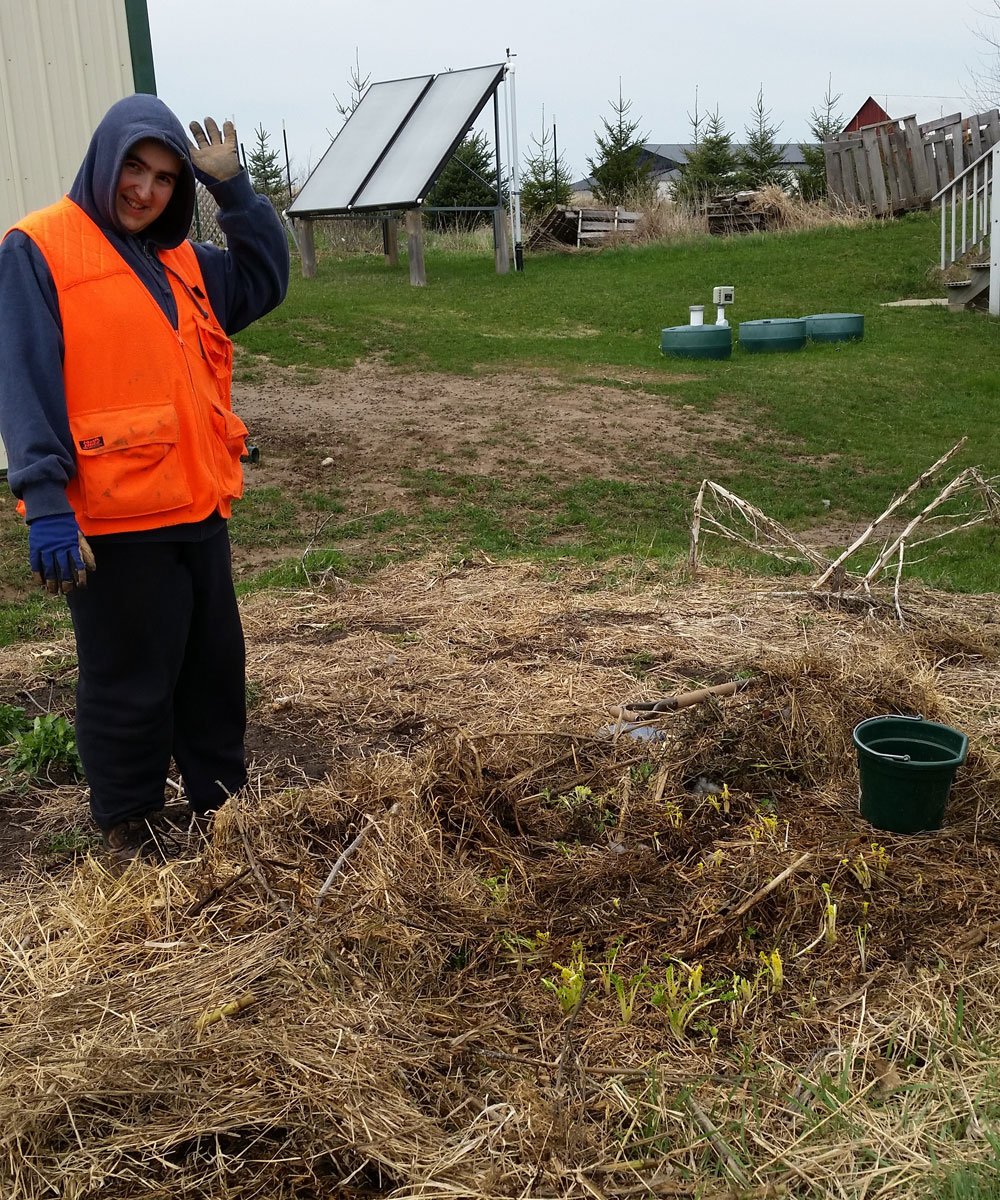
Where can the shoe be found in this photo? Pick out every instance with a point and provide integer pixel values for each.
(127, 841)
(179, 832)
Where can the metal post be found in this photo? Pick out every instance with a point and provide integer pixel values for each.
(995, 232)
(288, 165)
(515, 194)
(501, 247)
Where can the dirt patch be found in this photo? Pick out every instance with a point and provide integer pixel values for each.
(372, 423)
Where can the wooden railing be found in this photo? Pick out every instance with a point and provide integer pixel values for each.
(970, 208)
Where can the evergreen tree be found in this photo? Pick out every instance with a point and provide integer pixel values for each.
(265, 169)
(546, 182)
(469, 178)
(711, 166)
(824, 125)
(761, 160)
(621, 169)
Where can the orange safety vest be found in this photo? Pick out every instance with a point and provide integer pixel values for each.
(155, 437)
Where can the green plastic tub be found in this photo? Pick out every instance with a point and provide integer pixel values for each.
(835, 327)
(773, 335)
(906, 767)
(697, 341)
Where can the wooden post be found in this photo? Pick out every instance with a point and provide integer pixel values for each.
(918, 160)
(307, 248)
(869, 140)
(415, 247)
(501, 245)
(390, 241)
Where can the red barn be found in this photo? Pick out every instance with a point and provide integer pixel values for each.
(870, 113)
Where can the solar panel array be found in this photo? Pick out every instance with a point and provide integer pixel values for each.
(396, 142)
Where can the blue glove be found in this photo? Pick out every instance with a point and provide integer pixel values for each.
(55, 553)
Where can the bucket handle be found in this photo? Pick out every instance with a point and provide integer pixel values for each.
(896, 757)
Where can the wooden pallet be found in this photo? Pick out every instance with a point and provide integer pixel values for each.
(567, 226)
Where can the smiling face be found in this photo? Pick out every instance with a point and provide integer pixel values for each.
(147, 181)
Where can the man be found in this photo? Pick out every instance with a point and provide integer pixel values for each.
(115, 412)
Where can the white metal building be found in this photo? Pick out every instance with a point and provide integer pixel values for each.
(63, 63)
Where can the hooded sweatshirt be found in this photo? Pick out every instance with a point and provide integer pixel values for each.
(243, 283)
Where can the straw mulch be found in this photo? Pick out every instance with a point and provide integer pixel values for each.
(547, 966)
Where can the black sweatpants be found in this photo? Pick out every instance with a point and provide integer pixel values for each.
(162, 673)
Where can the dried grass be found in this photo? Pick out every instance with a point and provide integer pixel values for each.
(790, 212)
(398, 1038)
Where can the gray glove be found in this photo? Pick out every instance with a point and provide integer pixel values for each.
(217, 154)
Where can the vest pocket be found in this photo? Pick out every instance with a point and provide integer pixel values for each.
(231, 445)
(128, 463)
(217, 351)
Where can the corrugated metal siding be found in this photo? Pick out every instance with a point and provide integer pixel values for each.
(63, 63)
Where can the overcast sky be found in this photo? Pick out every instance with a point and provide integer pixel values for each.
(266, 62)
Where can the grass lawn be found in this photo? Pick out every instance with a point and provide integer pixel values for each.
(832, 432)
(822, 437)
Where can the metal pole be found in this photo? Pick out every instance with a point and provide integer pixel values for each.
(496, 142)
(995, 232)
(506, 130)
(515, 194)
(288, 167)
(555, 158)
(501, 246)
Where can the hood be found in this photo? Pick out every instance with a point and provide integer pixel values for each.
(129, 121)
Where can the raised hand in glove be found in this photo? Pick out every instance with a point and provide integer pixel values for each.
(58, 553)
(216, 154)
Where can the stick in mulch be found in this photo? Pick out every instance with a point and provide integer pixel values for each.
(648, 710)
(720, 1146)
(729, 918)
(346, 853)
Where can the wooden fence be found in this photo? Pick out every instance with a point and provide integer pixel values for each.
(899, 165)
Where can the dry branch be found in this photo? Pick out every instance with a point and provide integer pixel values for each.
(919, 482)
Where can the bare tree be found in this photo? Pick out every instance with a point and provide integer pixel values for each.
(984, 80)
(357, 83)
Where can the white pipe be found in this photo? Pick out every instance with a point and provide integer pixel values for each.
(720, 315)
(507, 142)
(994, 228)
(515, 195)
(697, 314)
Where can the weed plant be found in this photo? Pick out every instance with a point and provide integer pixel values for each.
(48, 745)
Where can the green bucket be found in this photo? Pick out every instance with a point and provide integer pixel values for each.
(907, 766)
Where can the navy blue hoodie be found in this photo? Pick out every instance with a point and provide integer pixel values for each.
(243, 282)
